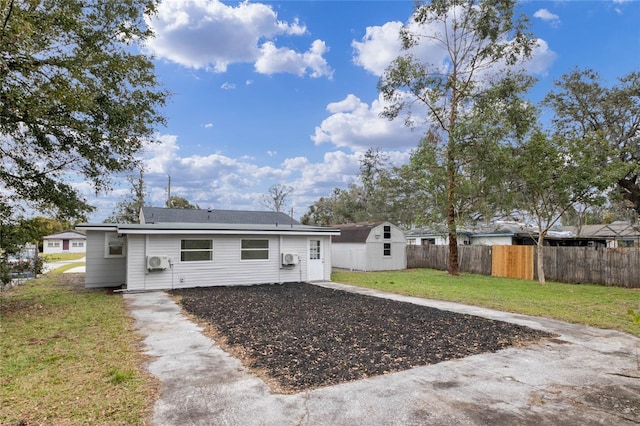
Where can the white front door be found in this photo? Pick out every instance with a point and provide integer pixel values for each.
(315, 261)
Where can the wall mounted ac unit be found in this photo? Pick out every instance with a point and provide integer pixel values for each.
(289, 259)
(157, 262)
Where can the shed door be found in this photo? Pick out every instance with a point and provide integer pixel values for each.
(315, 265)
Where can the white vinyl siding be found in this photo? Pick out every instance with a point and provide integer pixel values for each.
(104, 272)
(228, 269)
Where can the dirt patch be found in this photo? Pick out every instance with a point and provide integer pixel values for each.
(304, 336)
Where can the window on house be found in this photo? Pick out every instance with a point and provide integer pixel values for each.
(196, 250)
(254, 250)
(387, 232)
(77, 244)
(387, 249)
(53, 244)
(114, 245)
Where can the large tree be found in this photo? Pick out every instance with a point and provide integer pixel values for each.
(175, 202)
(77, 101)
(479, 42)
(583, 107)
(128, 210)
(277, 198)
(548, 175)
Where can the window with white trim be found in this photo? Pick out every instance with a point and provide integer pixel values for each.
(77, 244)
(114, 244)
(196, 250)
(53, 244)
(387, 232)
(254, 250)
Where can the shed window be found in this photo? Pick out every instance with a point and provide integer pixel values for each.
(387, 232)
(387, 249)
(254, 250)
(114, 245)
(196, 250)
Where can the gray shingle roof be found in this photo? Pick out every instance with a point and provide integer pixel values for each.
(165, 215)
(354, 232)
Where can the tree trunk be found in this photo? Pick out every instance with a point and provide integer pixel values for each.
(540, 263)
(451, 216)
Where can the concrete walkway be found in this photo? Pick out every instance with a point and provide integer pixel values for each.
(585, 376)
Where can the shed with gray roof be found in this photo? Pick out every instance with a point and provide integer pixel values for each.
(377, 246)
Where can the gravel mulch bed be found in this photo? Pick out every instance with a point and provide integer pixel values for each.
(303, 336)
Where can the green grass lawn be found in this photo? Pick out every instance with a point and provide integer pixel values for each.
(70, 357)
(598, 306)
(61, 257)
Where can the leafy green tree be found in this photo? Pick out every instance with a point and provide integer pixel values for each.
(480, 41)
(550, 175)
(585, 108)
(128, 210)
(277, 197)
(180, 203)
(76, 101)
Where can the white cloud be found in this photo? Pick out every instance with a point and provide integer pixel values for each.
(274, 60)
(547, 16)
(358, 126)
(228, 86)
(208, 125)
(381, 45)
(218, 181)
(208, 34)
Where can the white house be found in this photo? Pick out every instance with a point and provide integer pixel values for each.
(379, 246)
(424, 237)
(250, 248)
(64, 242)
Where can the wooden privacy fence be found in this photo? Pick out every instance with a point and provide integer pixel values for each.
(611, 267)
(472, 259)
(512, 262)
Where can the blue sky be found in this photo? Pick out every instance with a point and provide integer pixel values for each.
(284, 92)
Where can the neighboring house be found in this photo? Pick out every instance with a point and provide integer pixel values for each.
(425, 237)
(379, 246)
(612, 235)
(171, 249)
(616, 234)
(64, 242)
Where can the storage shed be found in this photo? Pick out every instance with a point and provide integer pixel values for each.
(168, 255)
(379, 246)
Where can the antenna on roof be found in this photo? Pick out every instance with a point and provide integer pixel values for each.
(291, 216)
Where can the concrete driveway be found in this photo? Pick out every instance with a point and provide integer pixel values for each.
(585, 376)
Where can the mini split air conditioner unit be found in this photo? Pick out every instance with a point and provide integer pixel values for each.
(157, 262)
(289, 259)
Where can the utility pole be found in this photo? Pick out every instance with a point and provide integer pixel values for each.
(169, 192)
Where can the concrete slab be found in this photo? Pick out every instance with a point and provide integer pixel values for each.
(585, 376)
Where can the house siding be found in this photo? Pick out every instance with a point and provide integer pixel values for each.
(105, 272)
(352, 256)
(226, 268)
